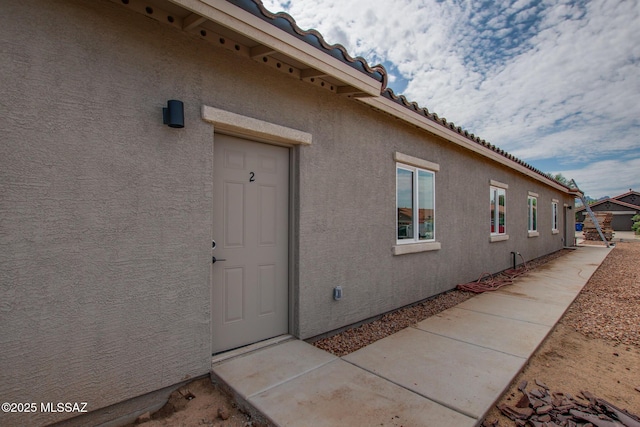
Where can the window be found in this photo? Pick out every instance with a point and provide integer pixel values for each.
(554, 216)
(415, 203)
(533, 213)
(497, 197)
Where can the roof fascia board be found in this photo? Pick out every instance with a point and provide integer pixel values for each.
(628, 193)
(403, 113)
(239, 20)
(613, 201)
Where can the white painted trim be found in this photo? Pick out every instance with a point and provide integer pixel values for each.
(498, 184)
(414, 170)
(415, 161)
(533, 234)
(416, 247)
(555, 201)
(498, 238)
(237, 125)
(532, 194)
(266, 34)
(555, 231)
(405, 114)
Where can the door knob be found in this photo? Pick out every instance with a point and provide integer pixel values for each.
(214, 260)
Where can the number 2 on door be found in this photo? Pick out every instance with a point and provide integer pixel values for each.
(252, 177)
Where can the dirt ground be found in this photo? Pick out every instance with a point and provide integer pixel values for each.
(595, 347)
(199, 403)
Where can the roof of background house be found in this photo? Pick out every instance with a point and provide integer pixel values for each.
(610, 200)
(312, 37)
(627, 194)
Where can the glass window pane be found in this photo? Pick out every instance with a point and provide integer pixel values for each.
(404, 203)
(534, 214)
(502, 219)
(426, 218)
(492, 202)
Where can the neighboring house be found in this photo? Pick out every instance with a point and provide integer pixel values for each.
(296, 168)
(623, 208)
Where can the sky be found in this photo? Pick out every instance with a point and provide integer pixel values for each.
(554, 82)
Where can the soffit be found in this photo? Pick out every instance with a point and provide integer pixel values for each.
(248, 29)
(274, 40)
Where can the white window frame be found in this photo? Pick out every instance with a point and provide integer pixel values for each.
(532, 220)
(495, 188)
(555, 228)
(414, 164)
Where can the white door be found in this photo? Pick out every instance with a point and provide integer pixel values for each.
(250, 229)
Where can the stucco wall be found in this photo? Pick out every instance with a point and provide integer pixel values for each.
(105, 230)
(347, 219)
(105, 224)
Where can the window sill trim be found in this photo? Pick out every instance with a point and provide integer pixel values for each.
(412, 248)
(555, 231)
(533, 234)
(498, 238)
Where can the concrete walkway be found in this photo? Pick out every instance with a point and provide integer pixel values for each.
(447, 370)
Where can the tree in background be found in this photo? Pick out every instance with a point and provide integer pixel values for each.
(636, 224)
(561, 179)
(567, 182)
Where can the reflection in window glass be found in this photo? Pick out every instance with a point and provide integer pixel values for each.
(415, 187)
(501, 211)
(498, 210)
(404, 200)
(533, 213)
(425, 205)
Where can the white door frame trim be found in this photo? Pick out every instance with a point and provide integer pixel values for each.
(228, 123)
(234, 124)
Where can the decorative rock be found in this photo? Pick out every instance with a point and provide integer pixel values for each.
(223, 413)
(544, 410)
(544, 418)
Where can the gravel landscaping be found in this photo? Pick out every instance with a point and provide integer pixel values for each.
(594, 348)
(608, 306)
(353, 339)
(593, 351)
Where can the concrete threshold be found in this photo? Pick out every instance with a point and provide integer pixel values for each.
(449, 369)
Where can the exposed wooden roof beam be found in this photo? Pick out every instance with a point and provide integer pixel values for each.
(311, 72)
(192, 21)
(351, 91)
(258, 51)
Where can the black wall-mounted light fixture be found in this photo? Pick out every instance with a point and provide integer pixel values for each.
(173, 114)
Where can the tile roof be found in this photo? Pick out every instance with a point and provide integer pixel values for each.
(628, 193)
(610, 200)
(312, 37)
(402, 100)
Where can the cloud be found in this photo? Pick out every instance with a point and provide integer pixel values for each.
(593, 177)
(541, 79)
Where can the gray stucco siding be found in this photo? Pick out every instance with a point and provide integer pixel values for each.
(347, 220)
(106, 213)
(106, 223)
